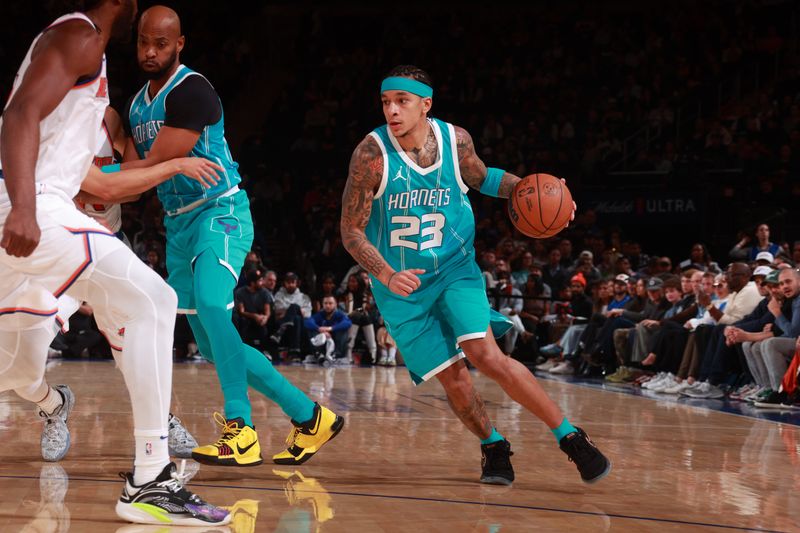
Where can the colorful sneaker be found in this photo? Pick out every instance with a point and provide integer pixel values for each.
(777, 400)
(592, 464)
(181, 443)
(742, 392)
(165, 501)
(307, 438)
(238, 445)
(496, 466)
(55, 439)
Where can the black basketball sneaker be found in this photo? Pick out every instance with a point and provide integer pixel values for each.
(496, 463)
(164, 501)
(592, 464)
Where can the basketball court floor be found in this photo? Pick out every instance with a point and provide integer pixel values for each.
(403, 462)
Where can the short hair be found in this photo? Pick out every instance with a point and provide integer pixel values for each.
(253, 276)
(411, 71)
(330, 296)
(672, 282)
(689, 272)
(709, 275)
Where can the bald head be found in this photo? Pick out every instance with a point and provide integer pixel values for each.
(738, 274)
(159, 43)
(161, 19)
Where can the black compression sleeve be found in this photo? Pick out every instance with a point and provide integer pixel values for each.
(192, 105)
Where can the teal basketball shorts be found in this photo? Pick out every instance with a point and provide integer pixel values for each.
(222, 226)
(428, 326)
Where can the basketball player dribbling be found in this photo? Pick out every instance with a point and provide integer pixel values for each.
(49, 134)
(209, 233)
(407, 220)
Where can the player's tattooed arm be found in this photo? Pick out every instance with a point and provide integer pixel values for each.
(473, 415)
(366, 172)
(473, 170)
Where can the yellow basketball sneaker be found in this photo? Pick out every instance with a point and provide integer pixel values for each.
(238, 445)
(306, 439)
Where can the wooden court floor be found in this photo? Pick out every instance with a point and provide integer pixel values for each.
(403, 463)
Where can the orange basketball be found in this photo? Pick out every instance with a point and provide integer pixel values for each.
(540, 206)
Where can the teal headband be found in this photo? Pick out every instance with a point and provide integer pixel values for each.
(398, 83)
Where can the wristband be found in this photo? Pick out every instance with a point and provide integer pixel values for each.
(491, 183)
(108, 169)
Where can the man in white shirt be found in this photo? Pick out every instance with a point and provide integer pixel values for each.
(292, 307)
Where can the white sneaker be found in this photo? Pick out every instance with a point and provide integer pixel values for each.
(180, 442)
(705, 390)
(678, 388)
(564, 367)
(658, 378)
(664, 384)
(547, 365)
(692, 387)
(55, 439)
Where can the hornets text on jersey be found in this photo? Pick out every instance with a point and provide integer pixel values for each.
(421, 217)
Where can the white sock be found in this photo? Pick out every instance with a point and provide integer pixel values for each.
(152, 455)
(51, 402)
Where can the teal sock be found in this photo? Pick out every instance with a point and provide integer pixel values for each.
(494, 437)
(263, 377)
(564, 429)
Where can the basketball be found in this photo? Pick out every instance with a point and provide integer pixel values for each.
(540, 206)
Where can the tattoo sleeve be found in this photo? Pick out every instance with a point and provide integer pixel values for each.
(473, 170)
(473, 415)
(366, 172)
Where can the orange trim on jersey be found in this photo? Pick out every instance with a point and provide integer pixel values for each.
(27, 310)
(89, 230)
(89, 82)
(88, 259)
(117, 348)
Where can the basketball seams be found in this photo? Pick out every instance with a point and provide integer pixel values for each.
(526, 209)
(522, 213)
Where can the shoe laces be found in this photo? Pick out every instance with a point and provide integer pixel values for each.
(293, 434)
(230, 428)
(579, 448)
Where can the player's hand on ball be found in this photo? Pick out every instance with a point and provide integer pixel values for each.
(404, 282)
(21, 233)
(199, 169)
(574, 206)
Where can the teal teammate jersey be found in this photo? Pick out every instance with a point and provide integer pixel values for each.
(146, 117)
(421, 217)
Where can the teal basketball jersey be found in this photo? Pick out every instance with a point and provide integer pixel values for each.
(146, 118)
(421, 217)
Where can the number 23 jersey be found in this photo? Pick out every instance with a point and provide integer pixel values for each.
(421, 217)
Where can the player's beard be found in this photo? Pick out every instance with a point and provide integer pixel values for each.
(160, 73)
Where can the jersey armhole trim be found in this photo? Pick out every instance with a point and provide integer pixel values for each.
(456, 168)
(384, 178)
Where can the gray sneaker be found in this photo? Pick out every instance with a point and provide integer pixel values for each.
(55, 435)
(180, 441)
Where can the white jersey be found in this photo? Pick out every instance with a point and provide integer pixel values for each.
(70, 136)
(109, 215)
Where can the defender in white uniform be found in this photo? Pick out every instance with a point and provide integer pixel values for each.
(49, 134)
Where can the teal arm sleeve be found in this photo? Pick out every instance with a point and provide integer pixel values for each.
(108, 169)
(491, 183)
